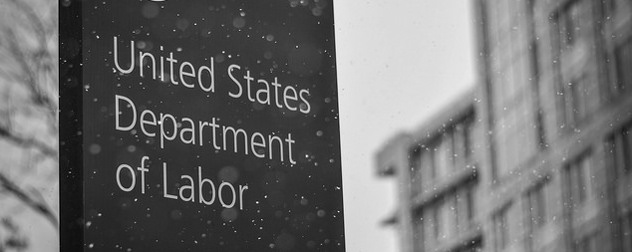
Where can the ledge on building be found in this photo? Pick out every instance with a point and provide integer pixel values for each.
(445, 186)
(390, 157)
(391, 221)
(468, 239)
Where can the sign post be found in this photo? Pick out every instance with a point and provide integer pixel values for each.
(199, 125)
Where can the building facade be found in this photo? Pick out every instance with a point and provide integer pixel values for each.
(437, 167)
(550, 150)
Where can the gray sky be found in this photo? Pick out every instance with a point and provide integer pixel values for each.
(398, 63)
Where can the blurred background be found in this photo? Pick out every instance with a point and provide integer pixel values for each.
(465, 125)
(537, 154)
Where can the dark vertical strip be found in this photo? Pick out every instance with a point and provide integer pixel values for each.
(487, 93)
(70, 126)
(612, 153)
(339, 204)
(561, 93)
(599, 11)
(534, 54)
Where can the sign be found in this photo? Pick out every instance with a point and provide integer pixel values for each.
(199, 125)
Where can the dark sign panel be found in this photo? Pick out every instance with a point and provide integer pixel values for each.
(199, 125)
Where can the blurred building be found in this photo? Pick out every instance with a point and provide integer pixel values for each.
(546, 164)
(437, 167)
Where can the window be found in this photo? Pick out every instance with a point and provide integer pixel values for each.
(536, 213)
(456, 137)
(449, 218)
(463, 141)
(542, 142)
(464, 207)
(439, 221)
(451, 149)
(468, 127)
(626, 232)
(442, 156)
(626, 150)
(621, 149)
(459, 221)
(569, 23)
(579, 179)
(501, 229)
(443, 218)
(430, 225)
(416, 170)
(536, 203)
(418, 231)
(436, 230)
(576, 100)
(623, 56)
(428, 173)
(469, 204)
(586, 244)
(574, 97)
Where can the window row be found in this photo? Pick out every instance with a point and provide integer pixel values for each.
(626, 232)
(446, 218)
(449, 151)
(619, 145)
(507, 223)
(579, 87)
(579, 189)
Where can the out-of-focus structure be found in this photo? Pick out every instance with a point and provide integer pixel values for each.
(538, 157)
(437, 167)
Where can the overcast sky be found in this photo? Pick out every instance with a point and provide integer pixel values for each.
(399, 62)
